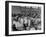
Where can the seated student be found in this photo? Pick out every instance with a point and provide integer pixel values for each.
(38, 22)
(14, 25)
(32, 24)
(18, 25)
(29, 24)
(25, 23)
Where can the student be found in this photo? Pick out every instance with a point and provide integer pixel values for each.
(25, 23)
(32, 24)
(29, 23)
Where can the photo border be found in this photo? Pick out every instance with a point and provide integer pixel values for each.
(7, 17)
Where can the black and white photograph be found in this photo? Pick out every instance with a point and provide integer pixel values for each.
(25, 18)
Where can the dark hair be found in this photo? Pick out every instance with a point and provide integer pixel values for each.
(14, 15)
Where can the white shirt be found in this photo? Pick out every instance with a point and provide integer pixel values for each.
(21, 20)
(17, 24)
(25, 20)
